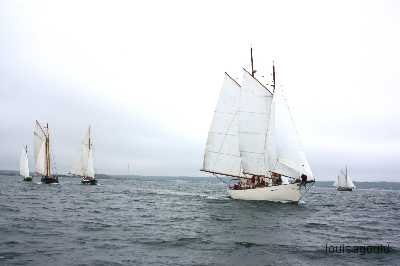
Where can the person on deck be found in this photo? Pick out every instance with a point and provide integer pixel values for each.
(262, 182)
(303, 179)
(279, 180)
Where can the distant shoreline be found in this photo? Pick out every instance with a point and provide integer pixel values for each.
(101, 175)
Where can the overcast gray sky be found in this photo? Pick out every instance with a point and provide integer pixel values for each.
(146, 75)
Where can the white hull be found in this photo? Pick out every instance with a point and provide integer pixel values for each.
(282, 193)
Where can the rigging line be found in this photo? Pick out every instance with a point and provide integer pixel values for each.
(253, 112)
(251, 133)
(283, 96)
(233, 155)
(225, 134)
(233, 79)
(37, 123)
(258, 81)
(220, 179)
(53, 161)
(225, 113)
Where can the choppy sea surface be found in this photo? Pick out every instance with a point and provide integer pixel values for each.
(190, 221)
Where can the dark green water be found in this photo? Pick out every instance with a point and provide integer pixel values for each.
(190, 221)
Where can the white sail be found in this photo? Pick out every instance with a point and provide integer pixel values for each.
(23, 164)
(344, 180)
(341, 182)
(90, 168)
(85, 165)
(284, 148)
(222, 148)
(41, 161)
(40, 149)
(254, 116)
(350, 182)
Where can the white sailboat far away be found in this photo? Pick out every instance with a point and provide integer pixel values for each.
(85, 167)
(253, 139)
(23, 164)
(42, 154)
(343, 181)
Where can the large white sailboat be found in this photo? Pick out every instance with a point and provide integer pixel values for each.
(253, 139)
(85, 167)
(42, 154)
(343, 181)
(23, 164)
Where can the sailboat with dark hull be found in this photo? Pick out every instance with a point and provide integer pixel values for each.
(253, 140)
(43, 154)
(23, 165)
(344, 181)
(86, 167)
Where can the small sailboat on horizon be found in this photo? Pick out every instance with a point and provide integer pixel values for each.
(253, 139)
(43, 160)
(85, 167)
(343, 181)
(23, 164)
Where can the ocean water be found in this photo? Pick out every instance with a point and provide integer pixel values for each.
(190, 221)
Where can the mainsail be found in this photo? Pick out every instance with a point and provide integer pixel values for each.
(85, 165)
(254, 118)
(284, 147)
(23, 163)
(41, 149)
(222, 149)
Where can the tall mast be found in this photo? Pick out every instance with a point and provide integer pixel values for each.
(346, 175)
(252, 66)
(273, 76)
(89, 138)
(47, 151)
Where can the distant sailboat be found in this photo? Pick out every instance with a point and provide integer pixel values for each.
(23, 164)
(43, 153)
(253, 139)
(86, 167)
(343, 181)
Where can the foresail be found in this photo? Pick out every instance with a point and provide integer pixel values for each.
(23, 164)
(286, 154)
(85, 164)
(90, 166)
(342, 179)
(350, 182)
(254, 116)
(222, 148)
(40, 163)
